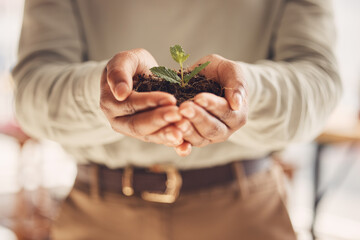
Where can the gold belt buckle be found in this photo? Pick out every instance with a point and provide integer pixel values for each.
(173, 184)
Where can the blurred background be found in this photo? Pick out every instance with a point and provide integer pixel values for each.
(323, 176)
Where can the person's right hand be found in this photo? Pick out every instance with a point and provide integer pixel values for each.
(147, 116)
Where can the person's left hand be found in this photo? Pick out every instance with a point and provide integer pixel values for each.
(212, 119)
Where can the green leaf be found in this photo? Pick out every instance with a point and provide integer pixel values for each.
(178, 54)
(166, 74)
(189, 76)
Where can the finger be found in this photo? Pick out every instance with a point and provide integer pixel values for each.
(146, 123)
(232, 80)
(190, 134)
(184, 149)
(229, 75)
(123, 67)
(220, 108)
(169, 136)
(206, 125)
(136, 102)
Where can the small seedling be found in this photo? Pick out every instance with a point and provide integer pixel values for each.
(180, 57)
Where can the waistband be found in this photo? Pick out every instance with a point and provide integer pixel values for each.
(162, 183)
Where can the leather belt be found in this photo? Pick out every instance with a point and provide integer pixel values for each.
(160, 180)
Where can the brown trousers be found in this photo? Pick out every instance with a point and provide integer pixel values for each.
(250, 209)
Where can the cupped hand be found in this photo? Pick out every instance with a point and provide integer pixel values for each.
(146, 116)
(209, 118)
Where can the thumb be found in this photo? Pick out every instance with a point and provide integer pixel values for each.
(123, 67)
(235, 98)
(232, 80)
(120, 70)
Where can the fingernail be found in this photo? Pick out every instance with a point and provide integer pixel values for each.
(166, 101)
(187, 150)
(121, 91)
(188, 112)
(237, 101)
(172, 117)
(202, 102)
(184, 151)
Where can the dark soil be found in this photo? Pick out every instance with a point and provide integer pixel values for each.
(196, 85)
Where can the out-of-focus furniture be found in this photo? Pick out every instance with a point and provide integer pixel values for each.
(29, 219)
(6, 234)
(337, 131)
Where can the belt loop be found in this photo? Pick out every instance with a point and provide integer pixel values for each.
(94, 182)
(239, 172)
(279, 177)
(127, 181)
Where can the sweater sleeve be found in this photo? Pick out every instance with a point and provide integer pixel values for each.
(291, 95)
(57, 91)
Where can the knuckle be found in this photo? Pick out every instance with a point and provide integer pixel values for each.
(226, 115)
(139, 51)
(243, 121)
(226, 65)
(128, 108)
(118, 55)
(189, 131)
(214, 132)
(132, 127)
(158, 139)
(114, 73)
(199, 116)
(129, 54)
(204, 143)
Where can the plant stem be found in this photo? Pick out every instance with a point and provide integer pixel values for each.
(182, 75)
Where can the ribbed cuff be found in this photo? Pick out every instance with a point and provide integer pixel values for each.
(92, 88)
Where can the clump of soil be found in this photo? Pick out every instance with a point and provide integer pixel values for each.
(195, 86)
